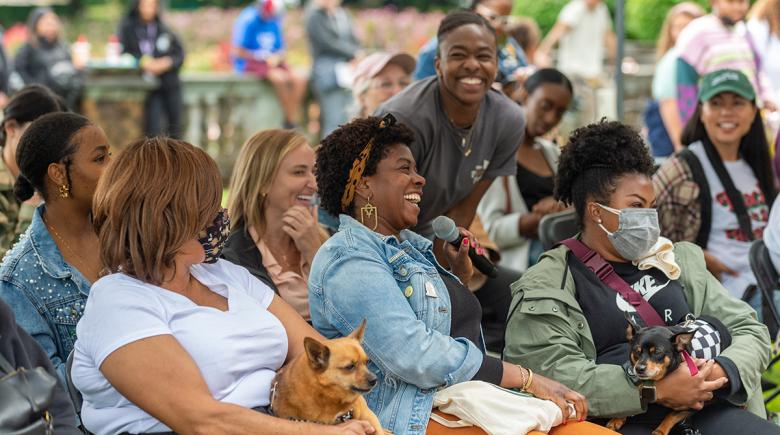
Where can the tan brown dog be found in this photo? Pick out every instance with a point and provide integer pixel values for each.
(327, 383)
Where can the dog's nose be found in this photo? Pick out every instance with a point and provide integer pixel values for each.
(640, 368)
(372, 380)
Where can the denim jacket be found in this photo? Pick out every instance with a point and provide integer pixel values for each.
(396, 285)
(46, 294)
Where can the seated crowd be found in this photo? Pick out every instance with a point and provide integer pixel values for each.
(171, 314)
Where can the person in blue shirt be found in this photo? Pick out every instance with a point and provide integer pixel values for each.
(258, 49)
(511, 57)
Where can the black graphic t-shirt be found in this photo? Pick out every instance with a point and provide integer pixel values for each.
(604, 307)
(604, 310)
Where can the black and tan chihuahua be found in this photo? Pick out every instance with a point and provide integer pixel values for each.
(655, 352)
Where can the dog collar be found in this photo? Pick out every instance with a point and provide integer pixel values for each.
(691, 365)
(341, 418)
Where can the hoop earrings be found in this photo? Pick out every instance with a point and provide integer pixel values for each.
(367, 212)
(64, 191)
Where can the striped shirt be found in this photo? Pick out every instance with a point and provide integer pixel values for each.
(707, 45)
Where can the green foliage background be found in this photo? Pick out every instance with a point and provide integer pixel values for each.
(645, 17)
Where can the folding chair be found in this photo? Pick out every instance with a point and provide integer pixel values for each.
(767, 279)
(75, 394)
(558, 226)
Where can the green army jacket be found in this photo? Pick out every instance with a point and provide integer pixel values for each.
(548, 332)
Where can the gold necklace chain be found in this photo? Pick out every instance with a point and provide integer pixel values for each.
(57, 235)
(465, 141)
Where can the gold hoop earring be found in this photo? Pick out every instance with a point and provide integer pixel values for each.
(369, 211)
(64, 191)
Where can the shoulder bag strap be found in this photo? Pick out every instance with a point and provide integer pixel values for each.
(705, 197)
(606, 274)
(507, 195)
(734, 195)
(6, 366)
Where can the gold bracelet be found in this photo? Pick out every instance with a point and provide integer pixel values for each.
(530, 380)
(523, 375)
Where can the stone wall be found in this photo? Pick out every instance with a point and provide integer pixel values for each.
(221, 110)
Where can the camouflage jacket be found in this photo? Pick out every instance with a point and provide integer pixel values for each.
(14, 216)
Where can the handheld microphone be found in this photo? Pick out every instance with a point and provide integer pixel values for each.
(445, 229)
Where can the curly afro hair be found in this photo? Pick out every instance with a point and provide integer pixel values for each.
(338, 151)
(593, 160)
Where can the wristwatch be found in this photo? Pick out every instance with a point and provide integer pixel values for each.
(647, 393)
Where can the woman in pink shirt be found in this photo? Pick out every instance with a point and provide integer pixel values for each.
(273, 207)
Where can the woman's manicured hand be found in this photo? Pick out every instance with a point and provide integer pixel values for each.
(561, 395)
(458, 258)
(300, 223)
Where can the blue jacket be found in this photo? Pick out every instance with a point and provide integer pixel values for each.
(395, 284)
(46, 294)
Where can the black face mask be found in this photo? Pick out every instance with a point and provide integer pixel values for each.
(213, 238)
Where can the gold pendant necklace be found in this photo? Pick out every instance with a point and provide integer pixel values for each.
(466, 151)
(465, 141)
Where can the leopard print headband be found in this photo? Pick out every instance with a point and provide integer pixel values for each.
(359, 165)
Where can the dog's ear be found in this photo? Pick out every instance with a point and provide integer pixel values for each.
(358, 333)
(682, 340)
(318, 353)
(633, 327)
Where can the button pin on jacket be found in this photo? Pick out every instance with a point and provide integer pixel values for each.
(430, 290)
(408, 291)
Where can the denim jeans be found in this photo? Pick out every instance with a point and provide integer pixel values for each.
(334, 104)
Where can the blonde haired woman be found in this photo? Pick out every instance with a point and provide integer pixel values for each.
(273, 197)
(663, 117)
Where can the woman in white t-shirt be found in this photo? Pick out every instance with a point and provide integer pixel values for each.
(726, 136)
(173, 339)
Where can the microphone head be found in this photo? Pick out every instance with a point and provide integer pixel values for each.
(445, 229)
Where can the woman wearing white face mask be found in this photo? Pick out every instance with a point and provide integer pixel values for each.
(569, 323)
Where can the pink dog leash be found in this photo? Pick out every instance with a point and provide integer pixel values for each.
(691, 364)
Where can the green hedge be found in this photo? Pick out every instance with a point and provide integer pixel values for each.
(545, 12)
(644, 18)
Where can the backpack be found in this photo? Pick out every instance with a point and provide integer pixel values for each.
(660, 143)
